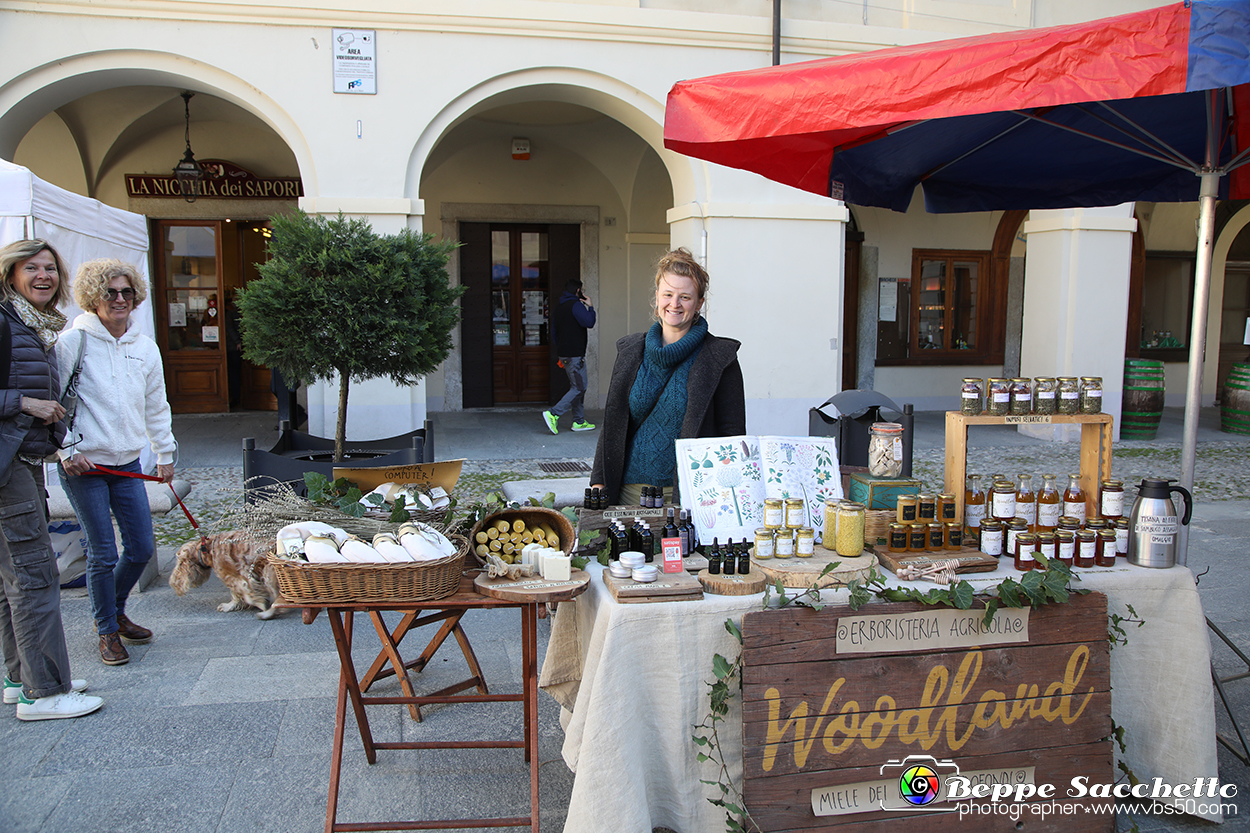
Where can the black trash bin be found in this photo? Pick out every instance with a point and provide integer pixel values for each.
(856, 411)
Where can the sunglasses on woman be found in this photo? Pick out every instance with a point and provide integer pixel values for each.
(127, 294)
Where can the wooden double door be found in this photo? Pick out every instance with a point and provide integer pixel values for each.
(199, 264)
(514, 274)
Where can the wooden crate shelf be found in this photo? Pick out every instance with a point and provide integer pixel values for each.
(1096, 438)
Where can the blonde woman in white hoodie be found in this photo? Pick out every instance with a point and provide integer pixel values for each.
(121, 409)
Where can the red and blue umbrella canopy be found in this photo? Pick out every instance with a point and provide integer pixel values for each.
(1100, 113)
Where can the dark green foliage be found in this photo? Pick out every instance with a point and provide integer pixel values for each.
(335, 298)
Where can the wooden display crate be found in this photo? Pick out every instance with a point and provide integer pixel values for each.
(1096, 437)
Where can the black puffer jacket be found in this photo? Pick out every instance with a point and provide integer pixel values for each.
(33, 373)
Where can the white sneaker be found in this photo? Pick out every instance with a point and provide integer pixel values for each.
(71, 704)
(13, 691)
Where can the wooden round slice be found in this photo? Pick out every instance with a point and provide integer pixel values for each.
(801, 573)
(532, 589)
(735, 585)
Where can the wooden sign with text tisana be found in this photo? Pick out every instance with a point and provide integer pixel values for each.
(834, 702)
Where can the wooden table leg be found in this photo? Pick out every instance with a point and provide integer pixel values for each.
(391, 651)
(347, 671)
(529, 661)
(956, 468)
(470, 658)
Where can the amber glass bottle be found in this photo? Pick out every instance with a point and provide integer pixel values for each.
(1026, 500)
(1074, 499)
(974, 504)
(1049, 505)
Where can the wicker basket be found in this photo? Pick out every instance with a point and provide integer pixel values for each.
(531, 515)
(877, 525)
(326, 584)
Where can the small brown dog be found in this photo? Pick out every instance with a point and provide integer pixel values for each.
(238, 562)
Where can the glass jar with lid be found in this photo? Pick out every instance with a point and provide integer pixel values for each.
(804, 542)
(937, 536)
(763, 544)
(774, 513)
(1046, 546)
(998, 397)
(831, 524)
(1104, 551)
(1091, 395)
(927, 508)
(1025, 543)
(1021, 403)
(1086, 547)
(796, 513)
(850, 540)
(783, 543)
(954, 535)
(906, 509)
(947, 511)
(898, 536)
(1069, 401)
(1044, 390)
(970, 397)
(1003, 500)
(917, 537)
(1012, 530)
(885, 449)
(992, 537)
(1111, 499)
(1065, 546)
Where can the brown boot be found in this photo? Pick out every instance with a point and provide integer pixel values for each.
(112, 652)
(131, 632)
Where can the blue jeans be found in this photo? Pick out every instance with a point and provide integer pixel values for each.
(575, 398)
(110, 579)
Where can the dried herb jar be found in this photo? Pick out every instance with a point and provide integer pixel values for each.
(1069, 401)
(998, 397)
(1091, 395)
(1045, 388)
(1021, 397)
(971, 397)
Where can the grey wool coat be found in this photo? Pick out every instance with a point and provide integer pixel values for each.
(715, 403)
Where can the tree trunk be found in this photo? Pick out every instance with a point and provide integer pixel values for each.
(340, 428)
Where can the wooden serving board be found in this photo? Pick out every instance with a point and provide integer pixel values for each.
(802, 573)
(971, 560)
(532, 589)
(668, 587)
(735, 585)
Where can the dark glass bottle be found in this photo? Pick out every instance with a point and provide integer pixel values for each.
(620, 536)
(647, 541)
(670, 525)
(713, 559)
(589, 501)
(729, 561)
(744, 558)
(683, 532)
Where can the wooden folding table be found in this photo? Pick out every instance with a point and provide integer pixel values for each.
(449, 611)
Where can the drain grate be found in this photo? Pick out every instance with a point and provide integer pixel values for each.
(562, 468)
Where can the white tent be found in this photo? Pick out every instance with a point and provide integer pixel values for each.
(79, 227)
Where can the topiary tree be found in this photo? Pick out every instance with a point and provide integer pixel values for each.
(337, 298)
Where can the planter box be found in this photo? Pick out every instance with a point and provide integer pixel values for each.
(297, 452)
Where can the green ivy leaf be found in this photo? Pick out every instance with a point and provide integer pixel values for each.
(1009, 593)
(961, 595)
(721, 667)
(734, 630)
(1033, 588)
(991, 607)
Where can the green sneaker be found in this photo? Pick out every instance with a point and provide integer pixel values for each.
(553, 422)
(583, 426)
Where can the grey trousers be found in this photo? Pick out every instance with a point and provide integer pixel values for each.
(31, 633)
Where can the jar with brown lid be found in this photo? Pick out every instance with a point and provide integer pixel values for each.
(1091, 395)
(1025, 542)
(970, 397)
(1086, 547)
(906, 509)
(998, 397)
(1021, 397)
(1104, 552)
(992, 537)
(1003, 500)
(1111, 499)
(1065, 549)
(1069, 401)
(1044, 390)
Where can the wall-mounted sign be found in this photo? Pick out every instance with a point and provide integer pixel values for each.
(355, 63)
(222, 181)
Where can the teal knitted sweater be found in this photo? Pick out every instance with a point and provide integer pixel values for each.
(657, 405)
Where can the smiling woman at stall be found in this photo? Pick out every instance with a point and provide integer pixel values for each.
(675, 380)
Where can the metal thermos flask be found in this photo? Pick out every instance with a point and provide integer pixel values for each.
(1153, 524)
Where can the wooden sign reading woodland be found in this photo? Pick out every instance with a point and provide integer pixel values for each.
(828, 722)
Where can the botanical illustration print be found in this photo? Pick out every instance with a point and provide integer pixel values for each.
(802, 467)
(719, 480)
(724, 480)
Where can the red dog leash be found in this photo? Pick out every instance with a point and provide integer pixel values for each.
(97, 469)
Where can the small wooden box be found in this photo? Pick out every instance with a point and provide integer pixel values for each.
(880, 492)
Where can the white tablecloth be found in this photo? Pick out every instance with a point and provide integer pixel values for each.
(633, 680)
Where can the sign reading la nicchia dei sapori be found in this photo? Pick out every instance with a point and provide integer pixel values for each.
(222, 180)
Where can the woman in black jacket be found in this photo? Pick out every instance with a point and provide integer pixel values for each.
(37, 675)
(675, 380)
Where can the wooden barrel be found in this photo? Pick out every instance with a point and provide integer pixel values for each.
(1142, 404)
(1235, 407)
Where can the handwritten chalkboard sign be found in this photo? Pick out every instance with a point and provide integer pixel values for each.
(835, 701)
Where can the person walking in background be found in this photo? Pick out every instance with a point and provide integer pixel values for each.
(573, 317)
(121, 408)
(36, 660)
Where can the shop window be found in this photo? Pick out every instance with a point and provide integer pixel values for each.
(943, 314)
(1166, 305)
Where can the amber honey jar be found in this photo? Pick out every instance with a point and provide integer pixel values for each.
(898, 537)
(946, 508)
(992, 537)
(1086, 547)
(918, 538)
(926, 511)
(1111, 499)
(906, 509)
(954, 535)
(1065, 546)
(1047, 545)
(937, 536)
(1025, 543)
(1104, 551)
